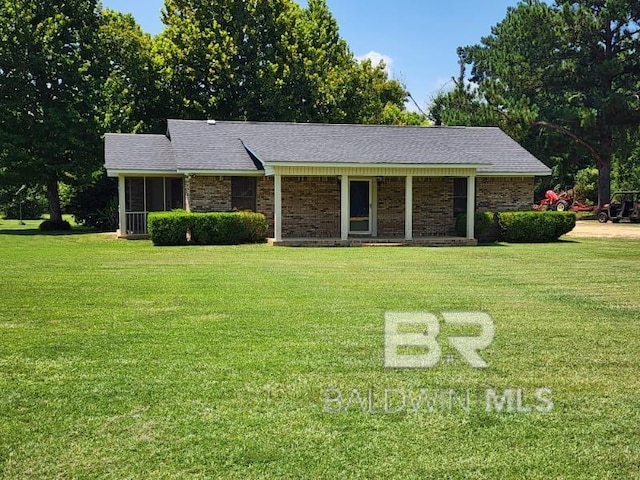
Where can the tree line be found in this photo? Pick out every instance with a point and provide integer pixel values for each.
(71, 70)
(561, 78)
(564, 80)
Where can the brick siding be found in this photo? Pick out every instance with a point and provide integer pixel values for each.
(264, 200)
(209, 194)
(310, 207)
(500, 194)
(391, 192)
(433, 206)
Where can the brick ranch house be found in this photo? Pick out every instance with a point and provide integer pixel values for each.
(324, 184)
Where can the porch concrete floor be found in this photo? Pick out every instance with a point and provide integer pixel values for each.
(374, 242)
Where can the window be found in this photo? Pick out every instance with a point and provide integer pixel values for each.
(459, 196)
(243, 193)
(174, 193)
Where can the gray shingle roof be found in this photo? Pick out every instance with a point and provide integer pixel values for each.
(199, 145)
(138, 152)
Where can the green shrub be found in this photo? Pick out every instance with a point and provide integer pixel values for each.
(51, 226)
(483, 228)
(169, 228)
(535, 226)
(214, 229)
(217, 228)
(95, 205)
(256, 226)
(586, 184)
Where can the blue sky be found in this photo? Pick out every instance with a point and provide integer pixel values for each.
(417, 37)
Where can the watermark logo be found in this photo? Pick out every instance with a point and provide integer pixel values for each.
(399, 346)
(438, 400)
(413, 340)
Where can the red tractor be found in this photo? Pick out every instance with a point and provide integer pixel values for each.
(561, 202)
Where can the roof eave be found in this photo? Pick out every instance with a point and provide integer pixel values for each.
(532, 173)
(217, 173)
(376, 164)
(116, 172)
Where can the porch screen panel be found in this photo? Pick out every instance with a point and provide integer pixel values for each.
(134, 194)
(155, 194)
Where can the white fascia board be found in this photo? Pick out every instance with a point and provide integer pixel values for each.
(513, 174)
(224, 173)
(425, 166)
(111, 172)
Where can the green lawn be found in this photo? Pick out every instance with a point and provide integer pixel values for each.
(123, 360)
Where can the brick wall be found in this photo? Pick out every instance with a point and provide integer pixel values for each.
(264, 200)
(499, 194)
(310, 207)
(209, 194)
(391, 192)
(433, 206)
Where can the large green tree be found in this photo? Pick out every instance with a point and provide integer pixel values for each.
(131, 97)
(266, 60)
(562, 77)
(49, 74)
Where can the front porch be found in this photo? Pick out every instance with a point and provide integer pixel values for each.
(372, 206)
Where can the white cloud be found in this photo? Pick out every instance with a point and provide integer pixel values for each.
(376, 58)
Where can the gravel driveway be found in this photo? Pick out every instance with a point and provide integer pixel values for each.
(594, 229)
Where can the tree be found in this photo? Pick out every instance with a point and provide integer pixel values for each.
(570, 69)
(131, 97)
(266, 60)
(225, 59)
(49, 71)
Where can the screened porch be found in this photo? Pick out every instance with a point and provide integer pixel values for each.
(147, 194)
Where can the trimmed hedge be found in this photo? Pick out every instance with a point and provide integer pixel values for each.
(217, 228)
(169, 228)
(535, 227)
(484, 224)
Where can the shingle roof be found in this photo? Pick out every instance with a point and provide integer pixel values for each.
(201, 145)
(139, 152)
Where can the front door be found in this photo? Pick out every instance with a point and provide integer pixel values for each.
(360, 207)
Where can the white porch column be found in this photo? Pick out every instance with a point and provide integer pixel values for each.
(187, 192)
(471, 206)
(344, 207)
(122, 212)
(277, 207)
(408, 208)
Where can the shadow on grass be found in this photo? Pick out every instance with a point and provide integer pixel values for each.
(492, 244)
(31, 232)
(508, 244)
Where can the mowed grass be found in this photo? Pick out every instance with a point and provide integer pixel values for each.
(123, 360)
